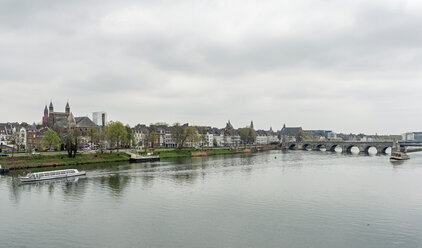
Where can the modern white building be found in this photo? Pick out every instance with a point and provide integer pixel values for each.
(331, 135)
(99, 118)
(413, 136)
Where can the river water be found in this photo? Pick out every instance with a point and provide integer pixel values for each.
(270, 199)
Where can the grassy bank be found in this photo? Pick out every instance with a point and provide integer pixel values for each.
(197, 152)
(38, 161)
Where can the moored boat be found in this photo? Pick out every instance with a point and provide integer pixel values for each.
(134, 158)
(399, 156)
(47, 175)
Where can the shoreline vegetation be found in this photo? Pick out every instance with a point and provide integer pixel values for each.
(40, 161)
(60, 160)
(176, 153)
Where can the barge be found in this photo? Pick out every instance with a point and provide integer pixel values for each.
(134, 158)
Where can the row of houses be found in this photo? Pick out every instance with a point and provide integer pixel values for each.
(22, 136)
(208, 136)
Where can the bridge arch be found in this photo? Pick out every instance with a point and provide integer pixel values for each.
(385, 150)
(333, 147)
(367, 149)
(292, 147)
(321, 147)
(307, 146)
(350, 147)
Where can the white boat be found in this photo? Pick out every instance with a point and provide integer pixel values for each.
(47, 175)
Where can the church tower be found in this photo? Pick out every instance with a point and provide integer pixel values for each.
(45, 117)
(67, 108)
(51, 115)
(51, 108)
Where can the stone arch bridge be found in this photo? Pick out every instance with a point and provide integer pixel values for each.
(363, 147)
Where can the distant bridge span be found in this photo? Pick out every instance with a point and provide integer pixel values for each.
(346, 146)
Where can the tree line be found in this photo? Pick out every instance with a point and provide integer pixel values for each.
(116, 136)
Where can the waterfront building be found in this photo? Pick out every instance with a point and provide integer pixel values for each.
(331, 135)
(140, 133)
(13, 131)
(290, 133)
(261, 137)
(64, 120)
(412, 136)
(323, 134)
(5, 131)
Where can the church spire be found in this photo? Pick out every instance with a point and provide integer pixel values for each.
(51, 108)
(67, 108)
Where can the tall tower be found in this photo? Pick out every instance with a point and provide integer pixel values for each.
(251, 124)
(51, 114)
(51, 108)
(45, 117)
(67, 108)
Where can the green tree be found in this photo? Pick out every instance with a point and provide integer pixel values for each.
(192, 135)
(102, 139)
(214, 142)
(130, 138)
(307, 136)
(50, 139)
(93, 135)
(153, 138)
(116, 135)
(181, 134)
(177, 134)
(247, 135)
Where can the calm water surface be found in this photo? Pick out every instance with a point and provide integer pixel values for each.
(272, 199)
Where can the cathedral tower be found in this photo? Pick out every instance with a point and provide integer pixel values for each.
(51, 108)
(45, 117)
(67, 108)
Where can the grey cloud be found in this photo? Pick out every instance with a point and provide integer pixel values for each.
(310, 63)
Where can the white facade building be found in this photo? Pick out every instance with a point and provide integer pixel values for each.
(99, 118)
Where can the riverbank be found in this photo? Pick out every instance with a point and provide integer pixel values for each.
(59, 160)
(39, 161)
(201, 152)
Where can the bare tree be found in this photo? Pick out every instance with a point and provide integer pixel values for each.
(72, 141)
(181, 134)
(15, 140)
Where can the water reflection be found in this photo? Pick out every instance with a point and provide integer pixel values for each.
(397, 162)
(15, 190)
(184, 177)
(116, 183)
(74, 189)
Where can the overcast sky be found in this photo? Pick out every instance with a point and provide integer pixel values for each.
(347, 66)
